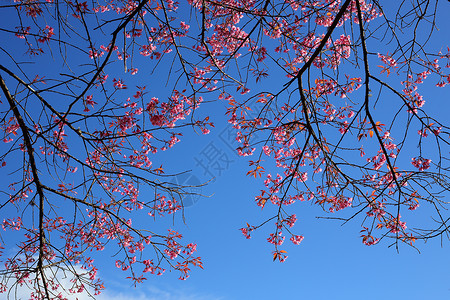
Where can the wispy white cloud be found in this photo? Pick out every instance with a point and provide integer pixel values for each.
(117, 292)
(143, 293)
(155, 293)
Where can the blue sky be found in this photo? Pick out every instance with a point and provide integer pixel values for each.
(331, 262)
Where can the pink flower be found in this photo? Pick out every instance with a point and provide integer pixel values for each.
(245, 232)
(118, 84)
(157, 120)
(184, 25)
(296, 239)
(22, 32)
(291, 220)
(421, 163)
(276, 239)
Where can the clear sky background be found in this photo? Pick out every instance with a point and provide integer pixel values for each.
(330, 263)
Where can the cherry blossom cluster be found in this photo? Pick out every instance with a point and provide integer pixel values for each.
(290, 141)
(99, 143)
